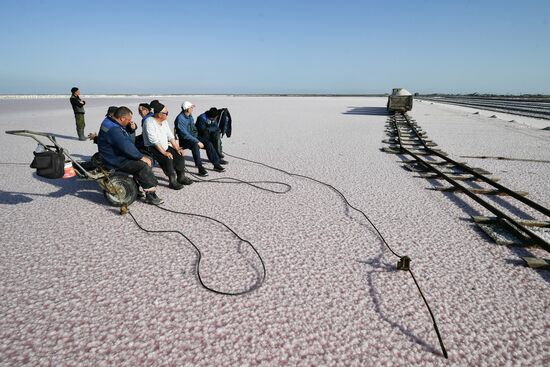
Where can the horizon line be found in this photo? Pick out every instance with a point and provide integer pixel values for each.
(266, 94)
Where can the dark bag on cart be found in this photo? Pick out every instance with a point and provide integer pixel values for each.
(49, 163)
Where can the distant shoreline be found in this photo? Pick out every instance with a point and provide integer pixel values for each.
(160, 95)
(44, 96)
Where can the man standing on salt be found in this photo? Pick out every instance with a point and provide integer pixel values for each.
(78, 108)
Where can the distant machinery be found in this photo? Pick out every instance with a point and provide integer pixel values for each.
(400, 100)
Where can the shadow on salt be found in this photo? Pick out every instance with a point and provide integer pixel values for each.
(86, 190)
(376, 111)
(393, 319)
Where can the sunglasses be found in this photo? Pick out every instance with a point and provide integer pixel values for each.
(164, 113)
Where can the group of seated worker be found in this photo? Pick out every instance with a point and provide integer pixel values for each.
(121, 150)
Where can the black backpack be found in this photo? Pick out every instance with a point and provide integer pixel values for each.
(49, 163)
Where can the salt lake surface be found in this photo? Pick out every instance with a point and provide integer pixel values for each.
(82, 285)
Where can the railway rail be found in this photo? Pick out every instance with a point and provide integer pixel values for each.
(407, 138)
(532, 107)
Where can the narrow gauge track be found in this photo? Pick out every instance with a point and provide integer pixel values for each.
(406, 137)
(538, 108)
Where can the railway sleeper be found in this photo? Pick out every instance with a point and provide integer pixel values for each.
(408, 135)
(411, 140)
(526, 223)
(537, 263)
(478, 191)
(407, 138)
(410, 131)
(428, 152)
(408, 143)
(406, 127)
(452, 175)
(421, 166)
(416, 167)
(437, 163)
(405, 131)
(504, 233)
(458, 169)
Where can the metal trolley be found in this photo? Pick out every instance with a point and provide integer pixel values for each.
(401, 100)
(119, 189)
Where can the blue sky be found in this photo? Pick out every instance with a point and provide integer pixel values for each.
(275, 46)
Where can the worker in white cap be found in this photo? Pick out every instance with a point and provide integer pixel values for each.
(188, 139)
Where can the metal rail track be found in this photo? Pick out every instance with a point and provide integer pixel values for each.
(536, 109)
(407, 138)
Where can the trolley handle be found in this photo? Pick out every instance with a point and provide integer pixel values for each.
(34, 135)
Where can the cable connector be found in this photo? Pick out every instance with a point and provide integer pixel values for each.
(123, 209)
(404, 263)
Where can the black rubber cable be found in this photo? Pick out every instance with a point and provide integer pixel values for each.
(199, 253)
(251, 183)
(327, 185)
(373, 226)
(239, 181)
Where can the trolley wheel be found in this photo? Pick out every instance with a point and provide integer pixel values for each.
(121, 190)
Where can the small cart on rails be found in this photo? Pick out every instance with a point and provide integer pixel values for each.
(400, 100)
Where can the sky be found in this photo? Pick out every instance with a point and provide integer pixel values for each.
(280, 46)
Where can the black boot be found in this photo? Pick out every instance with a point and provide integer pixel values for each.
(152, 198)
(182, 179)
(81, 135)
(174, 184)
(202, 171)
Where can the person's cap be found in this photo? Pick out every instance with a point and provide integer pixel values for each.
(74, 89)
(212, 112)
(111, 110)
(185, 105)
(156, 106)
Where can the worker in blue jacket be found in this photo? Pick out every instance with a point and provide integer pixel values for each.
(208, 129)
(130, 128)
(117, 151)
(188, 139)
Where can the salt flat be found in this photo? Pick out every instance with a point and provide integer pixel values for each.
(82, 285)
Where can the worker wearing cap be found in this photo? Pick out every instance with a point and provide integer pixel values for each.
(188, 139)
